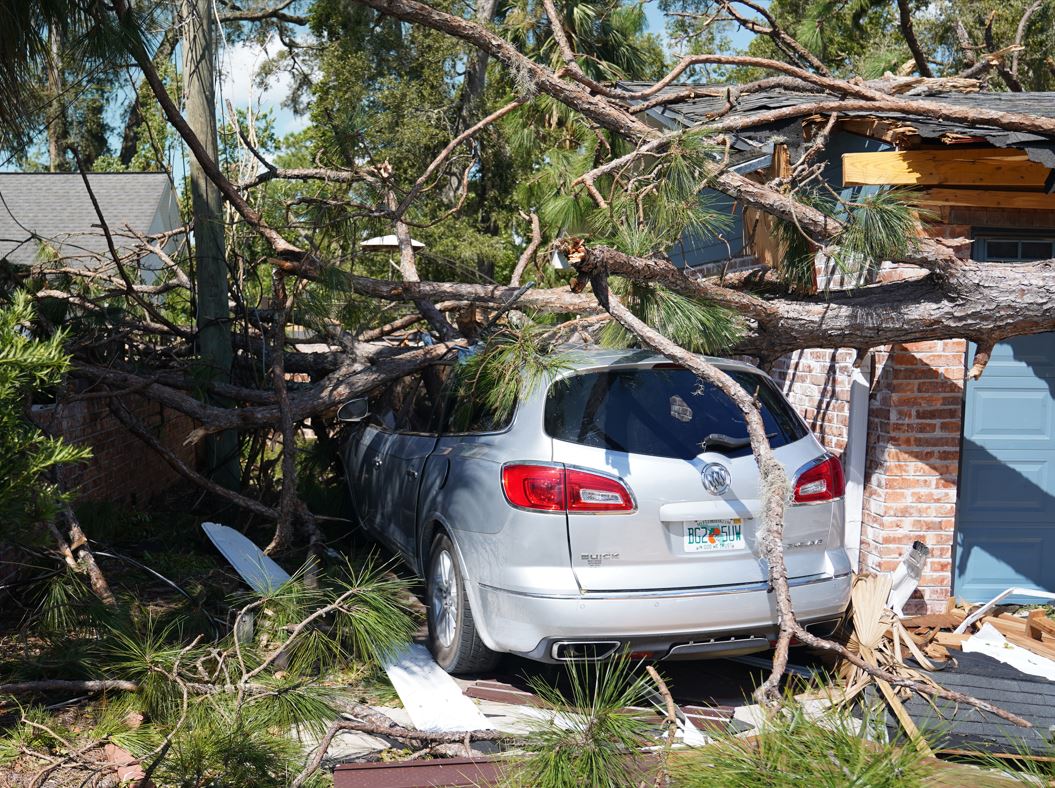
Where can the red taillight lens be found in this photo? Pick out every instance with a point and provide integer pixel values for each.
(822, 482)
(552, 488)
(589, 492)
(534, 486)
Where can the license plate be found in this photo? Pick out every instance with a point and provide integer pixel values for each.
(707, 536)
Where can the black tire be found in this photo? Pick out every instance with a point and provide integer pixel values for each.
(453, 638)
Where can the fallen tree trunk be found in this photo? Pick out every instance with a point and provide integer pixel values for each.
(975, 300)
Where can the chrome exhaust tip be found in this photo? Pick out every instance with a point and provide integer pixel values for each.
(584, 650)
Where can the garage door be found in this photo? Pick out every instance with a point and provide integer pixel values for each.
(1005, 534)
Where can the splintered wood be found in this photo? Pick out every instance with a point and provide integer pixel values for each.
(1033, 630)
(900, 655)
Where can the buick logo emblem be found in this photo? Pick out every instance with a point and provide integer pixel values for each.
(716, 478)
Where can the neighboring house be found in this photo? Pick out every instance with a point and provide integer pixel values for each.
(48, 218)
(968, 467)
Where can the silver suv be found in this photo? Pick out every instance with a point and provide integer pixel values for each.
(615, 510)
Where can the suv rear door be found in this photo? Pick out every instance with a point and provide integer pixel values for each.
(400, 461)
(646, 425)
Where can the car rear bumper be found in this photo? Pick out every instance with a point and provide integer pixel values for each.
(715, 621)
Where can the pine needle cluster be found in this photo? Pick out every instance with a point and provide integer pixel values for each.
(28, 364)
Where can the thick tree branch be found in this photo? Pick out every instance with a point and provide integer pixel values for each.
(133, 425)
(529, 251)
(1020, 33)
(909, 34)
(976, 300)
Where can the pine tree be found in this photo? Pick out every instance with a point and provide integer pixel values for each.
(27, 365)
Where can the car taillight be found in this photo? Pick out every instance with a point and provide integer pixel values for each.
(823, 482)
(589, 492)
(534, 486)
(553, 488)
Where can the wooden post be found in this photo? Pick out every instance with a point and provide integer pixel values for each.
(213, 318)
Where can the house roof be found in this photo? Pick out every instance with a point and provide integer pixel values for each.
(40, 211)
(703, 109)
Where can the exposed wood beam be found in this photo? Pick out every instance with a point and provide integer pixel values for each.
(988, 198)
(995, 167)
(895, 132)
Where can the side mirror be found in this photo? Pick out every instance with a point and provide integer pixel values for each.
(354, 410)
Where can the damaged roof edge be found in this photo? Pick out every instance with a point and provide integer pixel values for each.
(689, 113)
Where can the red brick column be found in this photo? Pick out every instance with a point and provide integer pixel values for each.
(914, 430)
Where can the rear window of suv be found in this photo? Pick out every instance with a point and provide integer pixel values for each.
(664, 412)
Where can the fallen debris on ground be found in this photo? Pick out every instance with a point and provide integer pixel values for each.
(980, 653)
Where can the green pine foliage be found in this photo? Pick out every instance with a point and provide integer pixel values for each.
(863, 37)
(232, 717)
(28, 364)
(696, 326)
(879, 226)
(511, 362)
(593, 739)
(797, 750)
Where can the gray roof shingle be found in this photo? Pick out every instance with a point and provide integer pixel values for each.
(701, 110)
(53, 211)
(965, 727)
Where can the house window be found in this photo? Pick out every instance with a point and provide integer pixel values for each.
(1010, 250)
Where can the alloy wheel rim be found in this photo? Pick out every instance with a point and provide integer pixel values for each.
(444, 599)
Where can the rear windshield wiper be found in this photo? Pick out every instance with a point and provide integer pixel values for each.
(727, 441)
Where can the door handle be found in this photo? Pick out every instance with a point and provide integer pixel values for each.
(412, 473)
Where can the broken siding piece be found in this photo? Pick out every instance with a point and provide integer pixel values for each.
(430, 696)
(259, 571)
(992, 643)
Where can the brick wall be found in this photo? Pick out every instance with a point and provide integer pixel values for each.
(817, 383)
(914, 427)
(122, 468)
(915, 418)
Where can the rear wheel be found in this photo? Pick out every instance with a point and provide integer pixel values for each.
(453, 638)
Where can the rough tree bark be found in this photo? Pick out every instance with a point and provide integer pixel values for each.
(56, 110)
(775, 488)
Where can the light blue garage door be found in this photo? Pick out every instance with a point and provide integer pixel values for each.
(1005, 531)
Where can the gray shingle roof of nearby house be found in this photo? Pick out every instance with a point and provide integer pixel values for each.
(703, 109)
(53, 212)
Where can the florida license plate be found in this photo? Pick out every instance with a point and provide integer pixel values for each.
(708, 536)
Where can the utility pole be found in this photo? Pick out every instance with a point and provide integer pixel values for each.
(213, 318)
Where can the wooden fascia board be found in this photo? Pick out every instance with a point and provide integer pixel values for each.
(995, 167)
(987, 198)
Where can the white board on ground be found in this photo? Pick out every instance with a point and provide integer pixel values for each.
(989, 641)
(258, 570)
(430, 696)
